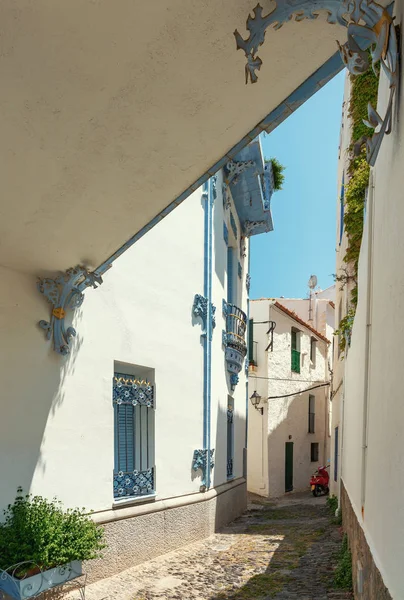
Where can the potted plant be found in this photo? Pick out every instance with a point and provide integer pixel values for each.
(42, 545)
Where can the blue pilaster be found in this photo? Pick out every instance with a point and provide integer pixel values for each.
(204, 308)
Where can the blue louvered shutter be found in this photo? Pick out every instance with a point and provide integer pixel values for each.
(230, 277)
(126, 437)
(133, 402)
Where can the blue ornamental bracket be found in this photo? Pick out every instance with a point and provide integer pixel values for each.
(200, 309)
(369, 25)
(65, 293)
(233, 169)
(200, 458)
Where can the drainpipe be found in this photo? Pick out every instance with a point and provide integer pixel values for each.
(369, 210)
(342, 427)
(207, 339)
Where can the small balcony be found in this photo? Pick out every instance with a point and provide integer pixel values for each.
(234, 340)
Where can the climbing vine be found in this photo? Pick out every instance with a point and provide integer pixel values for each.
(364, 89)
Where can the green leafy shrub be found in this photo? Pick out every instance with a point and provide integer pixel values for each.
(343, 571)
(332, 503)
(277, 170)
(39, 530)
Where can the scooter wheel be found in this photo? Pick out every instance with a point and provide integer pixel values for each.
(327, 491)
(315, 492)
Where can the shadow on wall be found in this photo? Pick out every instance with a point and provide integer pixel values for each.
(227, 512)
(220, 248)
(292, 425)
(32, 376)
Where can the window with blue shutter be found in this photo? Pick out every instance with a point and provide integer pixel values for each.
(230, 437)
(133, 402)
(230, 275)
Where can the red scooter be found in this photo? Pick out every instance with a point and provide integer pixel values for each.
(319, 481)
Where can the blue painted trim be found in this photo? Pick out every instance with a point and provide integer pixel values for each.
(208, 194)
(225, 234)
(246, 374)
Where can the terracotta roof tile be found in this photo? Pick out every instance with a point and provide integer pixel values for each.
(294, 316)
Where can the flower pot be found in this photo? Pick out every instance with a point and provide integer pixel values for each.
(33, 585)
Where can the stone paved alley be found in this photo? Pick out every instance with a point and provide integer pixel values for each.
(282, 550)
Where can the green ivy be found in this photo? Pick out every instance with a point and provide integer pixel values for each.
(40, 531)
(343, 571)
(345, 328)
(364, 89)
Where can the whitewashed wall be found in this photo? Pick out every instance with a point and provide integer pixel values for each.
(374, 479)
(284, 417)
(56, 428)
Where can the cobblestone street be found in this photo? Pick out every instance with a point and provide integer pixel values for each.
(283, 550)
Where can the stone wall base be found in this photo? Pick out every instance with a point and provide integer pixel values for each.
(373, 586)
(145, 532)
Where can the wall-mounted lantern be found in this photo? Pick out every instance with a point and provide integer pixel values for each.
(255, 401)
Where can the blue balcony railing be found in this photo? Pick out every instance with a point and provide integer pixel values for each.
(234, 340)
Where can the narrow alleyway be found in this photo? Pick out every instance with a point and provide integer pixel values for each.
(283, 551)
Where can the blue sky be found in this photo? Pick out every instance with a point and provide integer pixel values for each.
(304, 212)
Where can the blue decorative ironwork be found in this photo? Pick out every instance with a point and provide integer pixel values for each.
(249, 227)
(65, 292)
(229, 468)
(234, 379)
(248, 282)
(230, 440)
(368, 24)
(224, 338)
(200, 458)
(240, 270)
(243, 247)
(268, 185)
(134, 483)
(224, 307)
(234, 168)
(225, 234)
(233, 224)
(214, 188)
(17, 583)
(129, 390)
(226, 195)
(234, 341)
(200, 309)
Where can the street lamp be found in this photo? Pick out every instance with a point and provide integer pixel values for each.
(255, 400)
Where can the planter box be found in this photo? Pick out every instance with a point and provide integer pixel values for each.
(32, 586)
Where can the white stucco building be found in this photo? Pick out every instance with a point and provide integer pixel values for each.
(290, 354)
(144, 421)
(367, 407)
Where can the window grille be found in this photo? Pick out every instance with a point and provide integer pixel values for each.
(133, 402)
